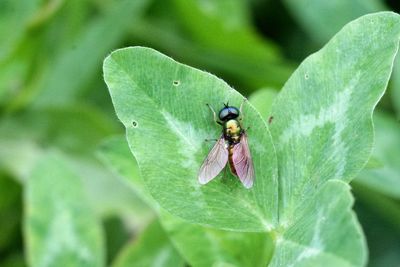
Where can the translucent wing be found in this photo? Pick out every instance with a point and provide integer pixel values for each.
(243, 163)
(214, 163)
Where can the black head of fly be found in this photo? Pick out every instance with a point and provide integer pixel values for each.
(228, 113)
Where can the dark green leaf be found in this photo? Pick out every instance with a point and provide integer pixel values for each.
(322, 19)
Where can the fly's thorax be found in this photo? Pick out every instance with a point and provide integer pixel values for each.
(232, 127)
(232, 130)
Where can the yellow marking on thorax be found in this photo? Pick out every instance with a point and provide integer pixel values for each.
(233, 127)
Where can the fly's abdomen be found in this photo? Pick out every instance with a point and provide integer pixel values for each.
(230, 160)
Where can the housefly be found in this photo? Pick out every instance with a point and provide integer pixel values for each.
(231, 147)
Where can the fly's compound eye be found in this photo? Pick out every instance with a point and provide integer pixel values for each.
(228, 113)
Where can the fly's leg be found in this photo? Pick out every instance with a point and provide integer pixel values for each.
(241, 109)
(210, 140)
(214, 114)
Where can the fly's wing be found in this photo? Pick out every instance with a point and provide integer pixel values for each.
(214, 163)
(243, 163)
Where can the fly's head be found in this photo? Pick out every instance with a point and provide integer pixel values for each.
(228, 113)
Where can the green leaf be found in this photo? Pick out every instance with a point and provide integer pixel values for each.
(383, 236)
(10, 214)
(14, 18)
(196, 33)
(373, 163)
(326, 232)
(262, 100)
(385, 178)
(152, 248)
(23, 137)
(395, 93)
(115, 154)
(145, 87)
(203, 246)
(322, 130)
(200, 246)
(14, 62)
(61, 229)
(322, 127)
(322, 19)
(64, 81)
(328, 99)
(226, 26)
(14, 260)
(385, 207)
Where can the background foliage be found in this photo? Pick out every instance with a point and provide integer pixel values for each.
(69, 188)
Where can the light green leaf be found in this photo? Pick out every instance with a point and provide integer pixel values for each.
(163, 106)
(322, 127)
(322, 19)
(61, 229)
(151, 248)
(385, 178)
(326, 232)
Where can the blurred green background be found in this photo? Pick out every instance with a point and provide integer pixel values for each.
(53, 98)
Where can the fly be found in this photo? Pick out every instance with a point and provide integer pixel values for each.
(231, 147)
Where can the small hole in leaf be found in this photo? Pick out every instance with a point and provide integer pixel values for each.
(306, 76)
(176, 83)
(134, 124)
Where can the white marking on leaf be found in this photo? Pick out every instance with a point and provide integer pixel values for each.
(63, 237)
(316, 241)
(335, 114)
(316, 245)
(191, 140)
(306, 253)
